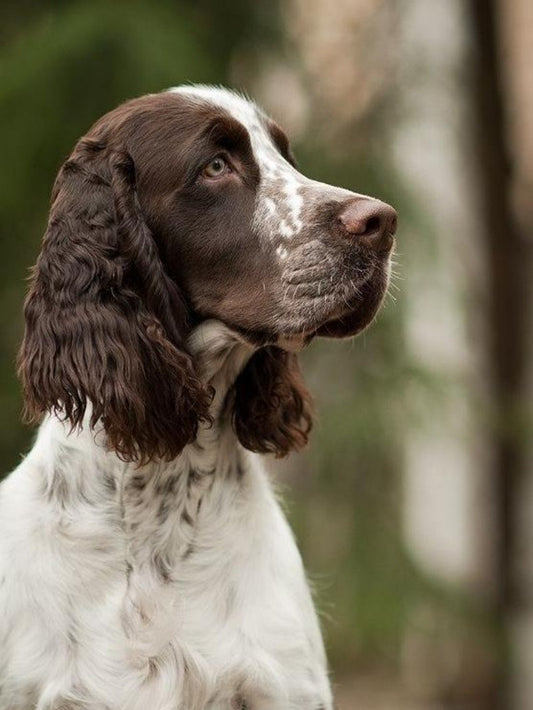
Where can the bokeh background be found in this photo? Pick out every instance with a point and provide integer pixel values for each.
(413, 505)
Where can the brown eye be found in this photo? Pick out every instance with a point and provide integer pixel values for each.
(216, 168)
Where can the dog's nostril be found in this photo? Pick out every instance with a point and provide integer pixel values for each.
(371, 222)
(372, 225)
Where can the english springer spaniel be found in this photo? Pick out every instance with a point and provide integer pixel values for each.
(145, 563)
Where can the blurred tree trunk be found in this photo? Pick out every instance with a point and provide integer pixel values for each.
(508, 255)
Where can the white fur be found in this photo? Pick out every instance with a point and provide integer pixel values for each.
(183, 596)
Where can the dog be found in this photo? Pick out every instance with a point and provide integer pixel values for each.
(145, 563)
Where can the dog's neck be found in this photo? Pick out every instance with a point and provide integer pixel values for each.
(164, 510)
(219, 354)
(155, 505)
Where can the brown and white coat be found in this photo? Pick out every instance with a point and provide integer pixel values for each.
(144, 559)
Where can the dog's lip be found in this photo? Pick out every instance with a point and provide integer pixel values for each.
(344, 321)
(355, 316)
(328, 328)
(344, 326)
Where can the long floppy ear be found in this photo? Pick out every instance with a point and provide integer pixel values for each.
(272, 407)
(104, 322)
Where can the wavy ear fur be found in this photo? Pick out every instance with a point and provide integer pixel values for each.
(104, 322)
(272, 407)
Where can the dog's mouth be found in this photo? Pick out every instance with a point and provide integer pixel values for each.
(319, 306)
(347, 313)
(333, 296)
(345, 321)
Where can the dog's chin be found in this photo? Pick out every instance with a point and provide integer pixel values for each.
(348, 325)
(345, 323)
(359, 316)
(353, 317)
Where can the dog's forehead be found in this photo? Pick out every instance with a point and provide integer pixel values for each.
(242, 109)
(249, 115)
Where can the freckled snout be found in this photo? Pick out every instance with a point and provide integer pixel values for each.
(369, 221)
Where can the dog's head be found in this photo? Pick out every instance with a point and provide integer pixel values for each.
(175, 208)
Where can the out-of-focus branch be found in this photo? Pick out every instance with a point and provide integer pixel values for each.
(508, 267)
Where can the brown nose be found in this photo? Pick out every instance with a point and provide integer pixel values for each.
(371, 221)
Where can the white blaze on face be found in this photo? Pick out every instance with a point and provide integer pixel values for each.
(285, 198)
(279, 203)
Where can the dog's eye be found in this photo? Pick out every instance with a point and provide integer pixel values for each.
(216, 168)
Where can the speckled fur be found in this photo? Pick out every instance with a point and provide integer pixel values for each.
(172, 586)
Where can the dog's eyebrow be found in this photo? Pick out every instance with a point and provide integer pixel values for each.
(221, 133)
(280, 140)
(228, 133)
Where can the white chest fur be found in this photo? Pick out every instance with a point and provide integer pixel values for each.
(175, 586)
